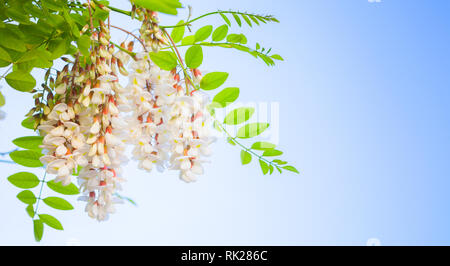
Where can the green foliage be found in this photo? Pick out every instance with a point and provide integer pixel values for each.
(220, 33)
(213, 80)
(58, 203)
(239, 115)
(21, 80)
(28, 123)
(272, 152)
(178, 32)
(30, 142)
(51, 221)
(38, 228)
(194, 56)
(28, 158)
(164, 6)
(2, 99)
(24, 180)
(291, 168)
(70, 189)
(203, 33)
(30, 211)
(262, 146)
(226, 96)
(164, 60)
(264, 167)
(251, 130)
(246, 157)
(27, 197)
(188, 40)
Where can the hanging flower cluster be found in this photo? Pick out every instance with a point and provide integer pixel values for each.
(94, 117)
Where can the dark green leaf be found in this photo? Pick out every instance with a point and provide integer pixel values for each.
(24, 180)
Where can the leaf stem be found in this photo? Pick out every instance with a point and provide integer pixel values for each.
(40, 194)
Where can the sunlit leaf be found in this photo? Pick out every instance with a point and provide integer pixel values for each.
(226, 96)
(194, 56)
(220, 33)
(239, 115)
(58, 203)
(251, 130)
(51, 221)
(70, 189)
(24, 180)
(21, 80)
(246, 157)
(26, 158)
(38, 228)
(29, 142)
(213, 80)
(164, 59)
(27, 197)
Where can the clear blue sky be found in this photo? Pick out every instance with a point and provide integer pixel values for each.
(364, 115)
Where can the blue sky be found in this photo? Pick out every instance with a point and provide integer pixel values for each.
(363, 98)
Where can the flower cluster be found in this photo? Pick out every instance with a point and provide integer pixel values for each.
(91, 118)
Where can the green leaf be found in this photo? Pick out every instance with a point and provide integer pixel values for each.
(165, 60)
(238, 20)
(272, 152)
(247, 20)
(30, 210)
(5, 56)
(246, 157)
(27, 197)
(21, 80)
(38, 228)
(188, 40)
(26, 158)
(163, 6)
(237, 38)
(213, 80)
(58, 203)
(239, 115)
(279, 162)
(264, 167)
(30, 142)
(24, 180)
(51, 221)
(291, 168)
(83, 43)
(231, 141)
(262, 146)
(216, 126)
(12, 39)
(203, 33)
(58, 47)
(28, 123)
(277, 57)
(178, 32)
(53, 5)
(225, 19)
(226, 96)
(270, 169)
(2, 99)
(194, 56)
(220, 33)
(70, 189)
(251, 130)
